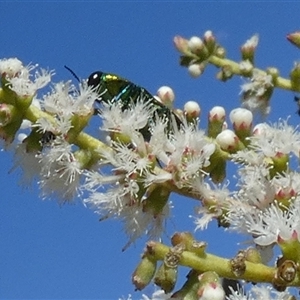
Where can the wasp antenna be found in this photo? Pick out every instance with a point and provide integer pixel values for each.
(72, 72)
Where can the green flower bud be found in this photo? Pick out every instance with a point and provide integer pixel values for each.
(290, 247)
(294, 38)
(295, 76)
(209, 41)
(166, 275)
(248, 49)
(144, 272)
(184, 238)
(216, 118)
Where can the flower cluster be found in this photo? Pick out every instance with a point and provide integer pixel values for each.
(147, 151)
(266, 204)
(131, 178)
(142, 170)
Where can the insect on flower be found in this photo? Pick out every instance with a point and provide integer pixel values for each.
(112, 88)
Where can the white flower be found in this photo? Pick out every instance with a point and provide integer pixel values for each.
(259, 292)
(160, 143)
(258, 84)
(121, 201)
(60, 171)
(127, 121)
(265, 225)
(206, 216)
(287, 184)
(127, 159)
(217, 197)
(10, 67)
(238, 295)
(65, 100)
(137, 222)
(60, 127)
(159, 295)
(279, 138)
(254, 92)
(255, 185)
(28, 162)
(191, 153)
(268, 293)
(20, 77)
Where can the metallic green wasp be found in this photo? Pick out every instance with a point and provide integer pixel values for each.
(112, 88)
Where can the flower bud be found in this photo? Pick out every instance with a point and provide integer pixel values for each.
(216, 118)
(229, 141)
(33, 141)
(249, 48)
(166, 275)
(220, 52)
(274, 72)
(195, 70)
(195, 44)
(181, 44)
(166, 95)
(241, 120)
(225, 73)
(210, 287)
(290, 247)
(191, 111)
(209, 41)
(184, 238)
(295, 75)
(9, 131)
(144, 272)
(246, 67)
(280, 163)
(197, 47)
(294, 38)
(260, 129)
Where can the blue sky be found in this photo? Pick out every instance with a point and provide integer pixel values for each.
(49, 251)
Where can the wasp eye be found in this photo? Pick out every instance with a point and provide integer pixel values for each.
(94, 79)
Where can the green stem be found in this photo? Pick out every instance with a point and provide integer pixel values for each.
(255, 272)
(280, 82)
(82, 140)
